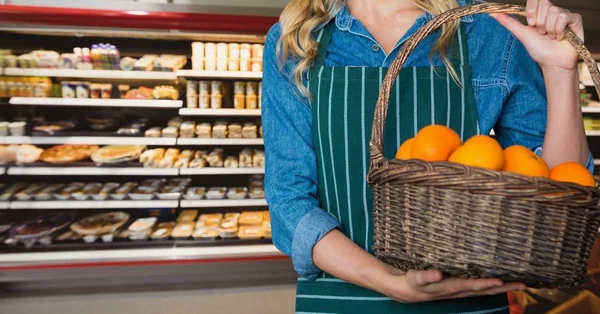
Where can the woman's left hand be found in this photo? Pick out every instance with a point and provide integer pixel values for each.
(543, 38)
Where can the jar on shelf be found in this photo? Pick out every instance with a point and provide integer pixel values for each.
(257, 65)
(233, 64)
(204, 101)
(204, 87)
(210, 64)
(245, 51)
(198, 49)
(257, 51)
(234, 51)
(245, 65)
(198, 63)
(106, 91)
(191, 88)
(239, 101)
(210, 51)
(216, 88)
(251, 102)
(216, 101)
(252, 88)
(192, 101)
(222, 51)
(222, 64)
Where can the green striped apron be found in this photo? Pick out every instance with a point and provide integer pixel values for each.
(343, 104)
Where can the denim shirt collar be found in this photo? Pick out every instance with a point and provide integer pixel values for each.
(344, 19)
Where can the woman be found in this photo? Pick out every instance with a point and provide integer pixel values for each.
(323, 66)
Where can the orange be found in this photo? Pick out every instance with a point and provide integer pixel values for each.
(574, 173)
(480, 151)
(519, 159)
(435, 143)
(405, 149)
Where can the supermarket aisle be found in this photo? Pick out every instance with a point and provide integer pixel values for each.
(278, 299)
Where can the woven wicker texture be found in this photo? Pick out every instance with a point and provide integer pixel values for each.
(475, 223)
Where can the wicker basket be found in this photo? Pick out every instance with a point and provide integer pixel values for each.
(475, 223)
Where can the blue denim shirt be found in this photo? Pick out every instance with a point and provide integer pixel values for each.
(510, 98)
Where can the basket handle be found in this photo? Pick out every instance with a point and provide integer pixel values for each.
(376, 144)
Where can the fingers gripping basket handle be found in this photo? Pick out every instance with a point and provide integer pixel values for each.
(378, 161)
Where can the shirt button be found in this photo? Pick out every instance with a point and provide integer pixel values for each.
(375, 47)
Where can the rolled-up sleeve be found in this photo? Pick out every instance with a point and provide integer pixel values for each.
(291, 166)
(523, 118)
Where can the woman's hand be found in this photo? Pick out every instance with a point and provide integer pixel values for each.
(543, 38)
(425, 286)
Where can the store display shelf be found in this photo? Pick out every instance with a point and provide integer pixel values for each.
(222, 203)
(220, 171)
(98, 140)
(91, 74)
(590, 109)
(92, 171)
(220, 141)
(219, 112)
(220, 74)
(92, 204)
(593, 133)
(132, 103)
(4, 205)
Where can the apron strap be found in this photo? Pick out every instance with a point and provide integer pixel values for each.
(324, 38)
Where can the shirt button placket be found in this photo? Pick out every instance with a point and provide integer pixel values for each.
(375, 48)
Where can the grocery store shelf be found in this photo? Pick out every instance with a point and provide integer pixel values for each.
(219, 112)
(592, 133)
(220, 141)
(93, 171)
(98, 140)
(222, 203)
(100, 74)
(133, 103)
(220, 74)
(590, 109)
(4, 205)
(91, 204)
(220, 171)
(91, 258)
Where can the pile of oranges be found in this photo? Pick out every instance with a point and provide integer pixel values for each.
(440, 143)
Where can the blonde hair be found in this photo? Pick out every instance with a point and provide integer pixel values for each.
(300, 18)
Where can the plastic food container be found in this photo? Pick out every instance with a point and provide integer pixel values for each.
(251, 88)
(105, 192)
(47, 192)
(209, 220)
(192, 101)
(222, 51)
(234, 50)
(17, 128)
(95, 91)
(143, 193)
(233, 64)
(204, 87)
(122, 192)
(163, 230)
(257, 193)
(69, 89)
(142, 225)
(105, 91)
(183, 230)
(210, 50)
(237, 193)
(239, 88)
(257, 51)
(87, 191)
(197, 63)
(251, 218)
(239, 101)
(169, 193)
(250, 232)
(251, 102)
(216, 193)
(82, 90)
(245, 51)
(191, 88)
(187, 215)
(210, 64)
(222, 64)
(257, 65)
(216, 88)
(66, 192)
(216, 101)
(206, 233)
(4, 128)
(198, 49)
(245, 65)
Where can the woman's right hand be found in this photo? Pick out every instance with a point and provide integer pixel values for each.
(430, 285)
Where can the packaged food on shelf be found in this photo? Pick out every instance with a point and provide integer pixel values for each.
(117, 153)
(69, 89)
(127, 64)
(216, 101)
(123, 89)
(222, 64)
(170, 132)
(198, 49)
(105, 91)
(231, 162)
(209, 220)
(215, 158)
(239, 101)
(258, 160)
(188, 215)
(197, 63)
(234, 130)
(183, 230)
(250, 232)
(210, 64)
(163, 230)
(251, 102)
(106, 191)
(246, 157)
(143, 193)
(4, 128)
(195, 193)
(152, 157)
(66, 192)
(204, 130)
(233, 64)
(100, 224)
(237, 193)
(204, 101)
(140, 93)
(191, 88)
(67, 153)
(142, 227)
(82, 90)
(219, 130)
(245, 65)
(204, 87)
(251, 88)
(123, 191)
(87, 191)
(145, 63)
(245, 51)
(10, 190)
(222, 51)
(266, 229)
(17, 128)
(249, 130)
(257, 65)
(183, 160)
(165, 92)
(192, 101)
(198, 162)
(234, 51)
(251, 218)
(257, 51)
(46, 193)
(28, 193)
(216, 193)
(175, 122)
(169, 63)
(257, 193)
(206, 233)
(187, 129)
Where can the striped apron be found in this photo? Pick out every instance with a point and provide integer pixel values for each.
(343, 105)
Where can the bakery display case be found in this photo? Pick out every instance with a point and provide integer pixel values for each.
(145, 151)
